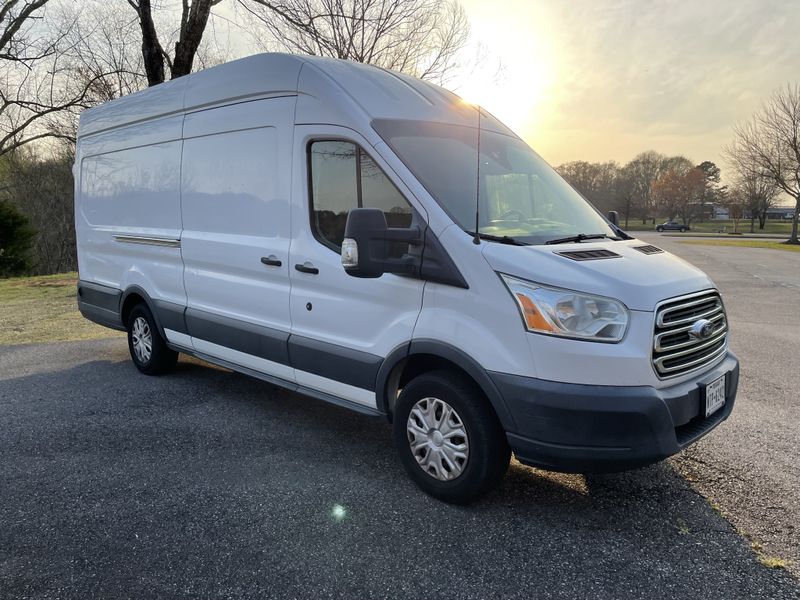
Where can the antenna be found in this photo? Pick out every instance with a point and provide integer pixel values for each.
(477, 239)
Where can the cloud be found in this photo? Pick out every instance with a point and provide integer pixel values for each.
(666, 70)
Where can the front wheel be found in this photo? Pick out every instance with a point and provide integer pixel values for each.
(449, 438)
(148, 349)
(659, 229)
(683, 229)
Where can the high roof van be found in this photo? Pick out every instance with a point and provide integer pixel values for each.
(372, 240)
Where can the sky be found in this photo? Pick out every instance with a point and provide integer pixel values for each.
(606, 79)
(602, 80)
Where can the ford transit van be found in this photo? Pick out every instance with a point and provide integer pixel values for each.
(371, 240)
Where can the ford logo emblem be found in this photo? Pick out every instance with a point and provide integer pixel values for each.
(702, 329)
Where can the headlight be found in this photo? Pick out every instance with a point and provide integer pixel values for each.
(569, 314)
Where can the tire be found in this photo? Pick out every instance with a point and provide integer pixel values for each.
(660, 229)
(476, 427)
(142, 328)
(683, 229)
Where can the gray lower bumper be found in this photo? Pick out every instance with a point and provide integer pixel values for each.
(585, 428)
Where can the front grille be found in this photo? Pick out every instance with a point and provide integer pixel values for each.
(675, 352)
(589, 254)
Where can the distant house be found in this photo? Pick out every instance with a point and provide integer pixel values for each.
(721, 212)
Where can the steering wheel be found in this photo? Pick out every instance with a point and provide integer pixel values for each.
(506, 216)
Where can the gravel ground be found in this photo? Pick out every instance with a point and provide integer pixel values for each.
(750, 467)
(208, 484)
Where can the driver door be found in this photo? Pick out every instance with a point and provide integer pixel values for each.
(343, 327)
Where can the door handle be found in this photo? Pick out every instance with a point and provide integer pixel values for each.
(271, 261)
(307, 268)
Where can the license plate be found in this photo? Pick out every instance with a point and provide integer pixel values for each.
(715, 395)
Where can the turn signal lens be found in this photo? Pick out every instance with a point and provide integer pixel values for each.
(533, 318)
(349, 253)
(566, 313)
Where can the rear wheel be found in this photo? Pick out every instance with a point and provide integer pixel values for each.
(449, 438)
(148, 349)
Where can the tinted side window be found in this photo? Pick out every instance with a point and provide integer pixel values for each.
(378, 192)
(343, 177)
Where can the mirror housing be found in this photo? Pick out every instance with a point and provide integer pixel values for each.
(613, 216)
(365, 248)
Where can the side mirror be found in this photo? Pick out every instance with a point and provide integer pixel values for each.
(367, 239)
(613, 216)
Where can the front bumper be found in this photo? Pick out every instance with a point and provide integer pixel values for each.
(593, 429)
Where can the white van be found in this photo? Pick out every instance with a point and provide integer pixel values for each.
(372, 240)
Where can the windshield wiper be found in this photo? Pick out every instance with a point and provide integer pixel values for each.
(580, 238)
(501, 239)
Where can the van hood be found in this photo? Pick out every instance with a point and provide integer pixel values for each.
(639, 279)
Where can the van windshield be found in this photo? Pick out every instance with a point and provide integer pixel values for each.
(521, 197)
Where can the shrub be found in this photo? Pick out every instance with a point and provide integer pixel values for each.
(16, 242)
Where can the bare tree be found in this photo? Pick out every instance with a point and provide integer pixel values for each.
(42, 191)
(770, 144)
(679, 192)
(105, 48)
(757, 192)
(597, 182)
(735, 201)
(38, 88)
(194, 18)
(17, 41)
(418, 37)
(641, 172)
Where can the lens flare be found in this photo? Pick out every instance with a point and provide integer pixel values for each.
(338, 512)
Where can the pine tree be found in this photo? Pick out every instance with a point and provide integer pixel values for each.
(16, 241)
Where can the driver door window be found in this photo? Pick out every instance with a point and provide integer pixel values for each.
(342, 177)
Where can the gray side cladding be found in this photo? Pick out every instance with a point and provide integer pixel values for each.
(102, 304)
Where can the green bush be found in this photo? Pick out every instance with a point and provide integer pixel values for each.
(16, 242)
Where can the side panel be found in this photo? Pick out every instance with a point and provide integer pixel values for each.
(236, 184)
(127, 213)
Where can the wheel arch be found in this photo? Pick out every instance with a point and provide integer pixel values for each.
(132, 296)
(423, 355)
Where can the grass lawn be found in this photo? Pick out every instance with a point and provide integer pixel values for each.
(745, 244)
(44, 309)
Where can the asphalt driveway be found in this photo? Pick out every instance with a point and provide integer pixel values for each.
(750, 467)
(209, 484)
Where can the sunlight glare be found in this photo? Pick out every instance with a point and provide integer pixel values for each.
(515, 75)
(338, 513)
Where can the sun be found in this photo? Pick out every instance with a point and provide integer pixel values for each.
(515, 94)
(513, 70)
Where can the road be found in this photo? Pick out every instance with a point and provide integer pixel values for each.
(750, 468)
(208, 484)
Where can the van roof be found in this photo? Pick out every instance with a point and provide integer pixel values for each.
(343, 85)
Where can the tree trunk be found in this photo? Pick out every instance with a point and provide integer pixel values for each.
(793, 237)
(194, 24)
(627, 212)
(151, 48)
(752, 223)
